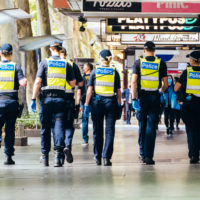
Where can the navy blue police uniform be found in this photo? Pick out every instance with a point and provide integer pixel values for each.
(52, 114)
(191, 108)
(104, 107)
(149, 113)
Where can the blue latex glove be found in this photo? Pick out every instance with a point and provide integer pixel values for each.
(33, 105)
(136, 105)
(189, 98)
(86, 111)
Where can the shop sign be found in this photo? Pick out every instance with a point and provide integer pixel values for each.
(160, 38)
(111, 6)
(155, 21)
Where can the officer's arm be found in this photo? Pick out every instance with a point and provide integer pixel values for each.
(119, 96)
(78, 97)
(36, 87)
(177, 87)
(72, 83)
(23, 82)
(80, 84)
(89, 95)
(165, 84)
(134, 86)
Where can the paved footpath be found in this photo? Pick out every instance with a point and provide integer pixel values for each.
(171, 178)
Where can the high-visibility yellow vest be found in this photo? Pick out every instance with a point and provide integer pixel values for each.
(68, 88)
(7, 77)
(193, 82)
(56, 77)
(105, 79)
(149, 71)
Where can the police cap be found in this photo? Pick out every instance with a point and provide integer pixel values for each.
(149, 45)
(106, 54)
(195, 55)
(6, 48)
(64, 50)
(56, 43)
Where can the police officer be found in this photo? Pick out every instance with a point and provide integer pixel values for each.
(189, 83)
(72, 107)
(105, 81)
(11, 76)
(52, 76)
(87, 68)
(148, 73)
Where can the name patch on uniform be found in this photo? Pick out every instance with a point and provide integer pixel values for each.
(194, 75)
(147, 65)
(7, 67)
(56, 63)
(104, 71)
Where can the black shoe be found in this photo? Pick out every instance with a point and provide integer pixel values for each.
(194, 160)
(177, 127)
(107, 162)
(141, 159)
(62, 159)
(68, 155)
(98, 161)
(57, 161)
(45, 160)
(149, 161)
(9, 161)
(168, 131)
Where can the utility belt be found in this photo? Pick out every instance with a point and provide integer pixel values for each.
(6, 97)
(51, 93)
(98, 97)
(144, 92)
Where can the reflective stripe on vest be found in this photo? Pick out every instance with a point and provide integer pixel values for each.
(56, 76)
(68, 88)
(105, 78)
(193, 82)
(150, 74)
(7, 77)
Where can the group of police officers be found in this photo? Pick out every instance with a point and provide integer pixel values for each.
(99, 92)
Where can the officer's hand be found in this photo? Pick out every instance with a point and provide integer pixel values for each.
(33, 105)
(136, 105)
(86, 111)
(189, 98)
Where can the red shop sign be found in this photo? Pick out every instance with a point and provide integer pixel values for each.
(170, 7)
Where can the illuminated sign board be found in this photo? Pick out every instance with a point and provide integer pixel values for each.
(111, 6)
(151, 29)
(163, 21)
(160, 38)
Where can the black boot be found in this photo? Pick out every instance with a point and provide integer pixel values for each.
(45, 160)
(62, 159)
(149, 161)
(194, 160)
(57, 161)
(107, 162)
(68, 155)
(9, 161)
(98, 161)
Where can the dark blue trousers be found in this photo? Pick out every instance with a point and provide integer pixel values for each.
(52, 116)
(104, 108)
(8, 116)
(191, 118)
(148, 119)
(69, 122)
